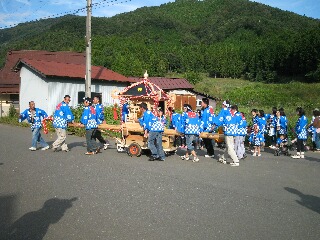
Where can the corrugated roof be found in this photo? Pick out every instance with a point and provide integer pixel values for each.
(70, 70)
(167, 83)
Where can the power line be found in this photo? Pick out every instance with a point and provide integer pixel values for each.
(71, 12)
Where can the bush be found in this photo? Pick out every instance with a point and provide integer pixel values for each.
(12, 112)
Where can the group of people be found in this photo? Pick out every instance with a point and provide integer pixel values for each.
(272, 127)
(92, 116)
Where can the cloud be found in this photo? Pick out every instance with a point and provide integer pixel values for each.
(12, 19)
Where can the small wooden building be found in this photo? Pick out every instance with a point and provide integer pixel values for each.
(180, 90)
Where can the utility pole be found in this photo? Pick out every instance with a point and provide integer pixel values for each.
(88, 49)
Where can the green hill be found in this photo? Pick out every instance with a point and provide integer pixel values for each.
(224, 38)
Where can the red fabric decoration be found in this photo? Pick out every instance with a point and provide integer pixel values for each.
(44, 124)
(115, 114)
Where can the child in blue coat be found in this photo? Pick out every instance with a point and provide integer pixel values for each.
(256, 139)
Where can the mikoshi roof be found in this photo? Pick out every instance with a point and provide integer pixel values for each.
(144, 89)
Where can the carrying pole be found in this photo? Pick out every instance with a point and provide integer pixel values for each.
(88, 50)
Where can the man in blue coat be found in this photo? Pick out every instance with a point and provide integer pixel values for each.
(89, 120)
(153, 129)
(62, 116)
(206, 123)
(191, 123)
(100, 119)
(34, 116)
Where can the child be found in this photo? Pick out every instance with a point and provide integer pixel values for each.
(271, 127)
(262, 122)
(256, 139)
(281, 122)
(254, 113)
(163, 118)
(282, 145)
(239, 139)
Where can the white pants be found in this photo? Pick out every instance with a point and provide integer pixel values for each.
(239, 146)
(62, 135)
(230, 146)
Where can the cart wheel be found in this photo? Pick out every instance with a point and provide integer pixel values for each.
(134, 149)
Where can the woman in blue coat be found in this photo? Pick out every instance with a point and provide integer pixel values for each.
(301, 131)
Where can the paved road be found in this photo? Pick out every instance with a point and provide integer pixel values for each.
(47, 195)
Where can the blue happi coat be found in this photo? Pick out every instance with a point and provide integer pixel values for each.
(37, 118)
(207, 119)
(174, 120)
(89, 118)
(230, 123)
(242, 127)
(281, 123)
(301, 128)
(150, 122)
(191, 123)
(100, 113)
(256, 138)
(62, 116)
(262, 122)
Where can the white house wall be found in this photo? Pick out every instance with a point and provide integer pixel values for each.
(47, 93)
(58, 89)
(32, 88)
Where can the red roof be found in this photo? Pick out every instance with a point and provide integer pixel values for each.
(168, 83)
(7, 76)
(71, 70)
(60, 60)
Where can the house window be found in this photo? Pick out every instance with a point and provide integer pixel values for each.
(14, 97)
(199, 102)
(81, 95)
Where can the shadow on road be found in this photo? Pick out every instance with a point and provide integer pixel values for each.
(312, 159)
(76, 144)
(1, 163)
(308, 201)
(6, 212)
(34, 225)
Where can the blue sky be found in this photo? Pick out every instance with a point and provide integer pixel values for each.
(13, 12)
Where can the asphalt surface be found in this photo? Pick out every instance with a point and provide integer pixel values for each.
(59, 195)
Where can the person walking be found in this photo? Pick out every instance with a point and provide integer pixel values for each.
(88, 119)
(191, 124)
(62, 116)
(153, 129)
(230, 122)
(35, 116)
(100, 119)
(206, 123)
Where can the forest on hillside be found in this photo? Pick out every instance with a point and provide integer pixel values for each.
(222, 38)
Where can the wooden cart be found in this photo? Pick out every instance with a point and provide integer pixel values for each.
(133, 141)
